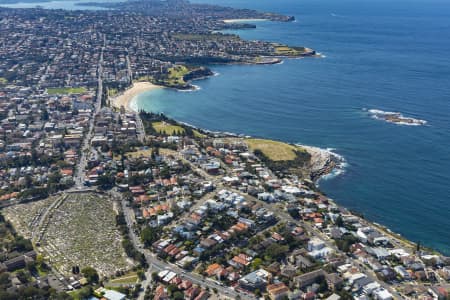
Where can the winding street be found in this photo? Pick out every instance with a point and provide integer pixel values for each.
(158, 264)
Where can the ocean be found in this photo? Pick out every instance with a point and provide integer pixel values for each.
(386, 55)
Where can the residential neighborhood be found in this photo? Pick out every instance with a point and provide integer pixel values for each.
(103, 202)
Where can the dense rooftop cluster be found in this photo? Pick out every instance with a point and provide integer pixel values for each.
(197, 214)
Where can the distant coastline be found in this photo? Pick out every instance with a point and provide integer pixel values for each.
(244, 20)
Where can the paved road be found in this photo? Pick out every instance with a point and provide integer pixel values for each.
(79, 177)
(159, 265)
(43, 219)
(140, 128)
(283, 215)
(280, 213)
(129, 71)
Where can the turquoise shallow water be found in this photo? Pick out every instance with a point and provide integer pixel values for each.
(379, 54)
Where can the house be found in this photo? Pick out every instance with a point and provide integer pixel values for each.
(379, 253)
(315, 244)
(322, 253)
(301, 262)
(111, 294)
(277, 291)
(382, 294)
(360, 281)
(192, 292)
(401, 271)
(255, 280)
(317, 249)
(160, 293)
(308, 279)
(211, 167)
(240, 261)
(438, 292)
(198, 250)
(289, 272)
(202, 296)
(19, 262)
(445, 272)
(208, 243)
(213, 269)
(334, 297)
(370, 287)
(386, 274)
(273, 268)
(334, 281)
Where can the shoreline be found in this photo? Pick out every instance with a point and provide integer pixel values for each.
(125, 99)
(324, 162)
(243, 20)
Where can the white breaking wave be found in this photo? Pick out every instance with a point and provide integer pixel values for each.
(195, 88)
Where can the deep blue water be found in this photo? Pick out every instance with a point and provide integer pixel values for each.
(389, 55)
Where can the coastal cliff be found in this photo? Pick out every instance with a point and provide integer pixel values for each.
(199, 73)
(180, 77)
(304, 161)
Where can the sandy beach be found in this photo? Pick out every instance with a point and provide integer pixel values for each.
(124, 99)
(243, 20)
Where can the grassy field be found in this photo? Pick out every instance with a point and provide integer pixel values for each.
(276, 151)
(112, 92)
(176, 75)
(140, 153)
(288, 51)
(65, 91)
(167, 128)
(144, 79)
(130, 278)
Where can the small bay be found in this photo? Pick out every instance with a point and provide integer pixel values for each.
(385, 55)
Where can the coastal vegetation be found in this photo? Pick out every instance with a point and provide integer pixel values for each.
(175, 76)
(179, 76)
(274, 150)
(282, 157)
(159, 124)
(167, 128)
(198, 134)
(289, 51)
(66, 90)
(112, 92)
